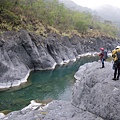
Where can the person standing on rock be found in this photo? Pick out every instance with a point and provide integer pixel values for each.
(116, 65)
(103, 56)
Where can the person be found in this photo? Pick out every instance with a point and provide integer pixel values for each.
(116, 65)
(102, 57)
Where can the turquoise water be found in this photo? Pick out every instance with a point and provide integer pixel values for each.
(45, 86)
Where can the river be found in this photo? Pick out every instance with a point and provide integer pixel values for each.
(44, 86)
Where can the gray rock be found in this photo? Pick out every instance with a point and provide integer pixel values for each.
(96, 92)
(95, 97)
(21, 52)
(56, 110)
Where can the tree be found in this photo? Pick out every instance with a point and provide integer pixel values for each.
(81, 26)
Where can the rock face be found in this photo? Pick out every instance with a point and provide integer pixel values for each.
(96, 92)
(21, 52)
(95, 97)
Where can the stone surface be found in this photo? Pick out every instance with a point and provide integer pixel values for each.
(21, 52)
(96, 92)
(56, 110)
(95, 97)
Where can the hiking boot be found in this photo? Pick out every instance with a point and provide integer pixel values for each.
(114, 79)
(117, 79)
(102, 67)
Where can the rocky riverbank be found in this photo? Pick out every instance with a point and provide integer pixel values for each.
(95, 97)
(21, 52)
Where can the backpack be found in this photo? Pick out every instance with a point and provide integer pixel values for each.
(105, 55)
(118, 57)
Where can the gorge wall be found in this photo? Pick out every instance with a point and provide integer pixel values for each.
(21, 52)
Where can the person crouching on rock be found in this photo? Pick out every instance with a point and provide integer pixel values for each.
(101, 54)
(116, 65)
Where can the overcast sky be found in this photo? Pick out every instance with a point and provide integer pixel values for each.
(96, 3)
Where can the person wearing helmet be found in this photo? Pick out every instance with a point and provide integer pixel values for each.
(102, 49)
(116, 65)
(101, 54)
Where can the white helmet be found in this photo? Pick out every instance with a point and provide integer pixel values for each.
(117, 47)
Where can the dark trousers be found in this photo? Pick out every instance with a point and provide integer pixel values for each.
(117, 71)
(102, 60)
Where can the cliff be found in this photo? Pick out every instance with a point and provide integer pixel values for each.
(21, 52)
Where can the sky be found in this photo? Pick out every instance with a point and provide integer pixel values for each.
(96, 3)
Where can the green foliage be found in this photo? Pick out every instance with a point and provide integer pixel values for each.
(5, 4)
(9, 16)
(24, 13)
(81, 26)
(109, 29)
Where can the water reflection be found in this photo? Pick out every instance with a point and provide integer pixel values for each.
(46, 85)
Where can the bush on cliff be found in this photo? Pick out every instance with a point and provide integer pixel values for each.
(34, 14)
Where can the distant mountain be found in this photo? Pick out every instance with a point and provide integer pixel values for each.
(73, 6)
(109, 12)
(106, 12)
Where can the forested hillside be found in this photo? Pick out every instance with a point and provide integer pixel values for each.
(45, 16)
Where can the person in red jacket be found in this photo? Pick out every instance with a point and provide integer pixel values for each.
(102, 58)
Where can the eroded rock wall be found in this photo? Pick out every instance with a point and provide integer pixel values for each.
(21, 52)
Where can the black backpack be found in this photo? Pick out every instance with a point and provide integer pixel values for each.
(118, 57)
(105, 55)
